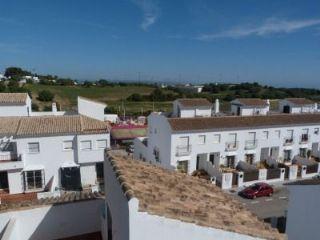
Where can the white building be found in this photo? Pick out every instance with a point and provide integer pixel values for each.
(51, 152)
(297, 105)
(303, 210)
(250, 107)
(91, 108)
(15, 104)
(153, 203)
(195, 107)
(218, 144)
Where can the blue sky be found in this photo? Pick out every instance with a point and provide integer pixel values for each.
(272, 42)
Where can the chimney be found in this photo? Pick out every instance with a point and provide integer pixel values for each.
(217, 106)
(268, 102)
(54, 107)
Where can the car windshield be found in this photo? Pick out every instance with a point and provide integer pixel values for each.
(255, 187)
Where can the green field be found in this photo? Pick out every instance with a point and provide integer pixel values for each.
(115, 97)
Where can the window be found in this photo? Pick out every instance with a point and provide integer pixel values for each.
(102, 144)
(34, 179)
(216, 138)
(182, 166)
(67, 145)
(202, 139)
(278, 133)
(265, 135)
(316, 131)
(86, 145)
(34, 147)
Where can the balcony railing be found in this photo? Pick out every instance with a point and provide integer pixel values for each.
(232, 146)
(7, 156)
(304, 138)
(251, 144)
(288, 141)
(183, 150)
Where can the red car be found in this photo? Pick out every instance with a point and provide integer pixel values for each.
(257, 190)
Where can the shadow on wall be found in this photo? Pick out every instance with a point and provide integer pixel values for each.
(64, 220)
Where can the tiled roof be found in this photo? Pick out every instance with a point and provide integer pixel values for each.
(64, 198)
(194, 102)
(13, 98)
(300, 101)
(252, 101)
(50, 125)
(238, 122)
(189, 199)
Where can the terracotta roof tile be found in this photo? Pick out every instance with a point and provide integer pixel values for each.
(13, 98)
(236, 122)
(194, 102)
(178, 196)
(50, 125)
(252, 101)
(300, 101)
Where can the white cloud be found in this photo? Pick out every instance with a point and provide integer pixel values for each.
(270, 26)
(150, 10)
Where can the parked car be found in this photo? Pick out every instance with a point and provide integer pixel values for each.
(257, 190)
(316, 176)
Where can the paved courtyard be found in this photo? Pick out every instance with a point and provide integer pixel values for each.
(268, 207)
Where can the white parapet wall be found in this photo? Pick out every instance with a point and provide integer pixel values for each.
(91, 108)
(52, 221)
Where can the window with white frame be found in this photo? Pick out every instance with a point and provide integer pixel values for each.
(278, 133)
(216, 138)
(202, 139)
(265, 135)
(33, 180)
(67, 145)
(102, 143)
(86, 145)
(34, 147)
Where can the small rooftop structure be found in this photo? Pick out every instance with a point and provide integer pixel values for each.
(188, 199)
(13, 98)
(297, 105)
(192, 107)
(250, 106)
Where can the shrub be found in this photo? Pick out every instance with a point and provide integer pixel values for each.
(35, 107)
(45, 96)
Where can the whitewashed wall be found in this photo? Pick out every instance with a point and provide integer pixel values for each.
(303, 212)
(91, 109)
(54, 222)
(144, 226)
(167, 142)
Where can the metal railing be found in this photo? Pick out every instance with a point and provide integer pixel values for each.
(232, 146)
(251, 144)
(288, 141)
(304, 138)
(183, 150)
(9, 157)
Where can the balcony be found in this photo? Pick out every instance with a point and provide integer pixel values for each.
(251, 144)
(232, 146)
(9, 160)
(183, 150)
(304, 138)
(288, 141)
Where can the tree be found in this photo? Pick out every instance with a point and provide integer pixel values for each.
(135, 97)
(2, 87)
(15, 71)
(45, 96)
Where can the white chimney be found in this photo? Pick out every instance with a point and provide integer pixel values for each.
(54, 107)
(217, 106)
(315, 106)
(268, 102)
